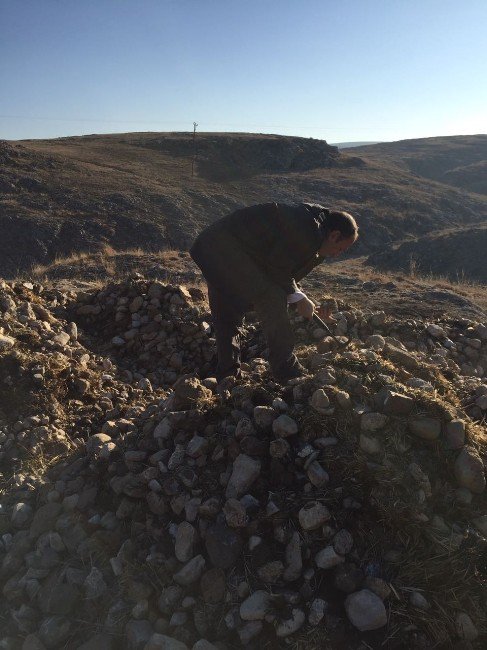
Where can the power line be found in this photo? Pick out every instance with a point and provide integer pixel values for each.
(214, 124)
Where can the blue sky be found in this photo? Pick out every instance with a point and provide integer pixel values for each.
(338, 70)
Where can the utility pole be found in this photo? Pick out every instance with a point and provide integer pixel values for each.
(194, 148)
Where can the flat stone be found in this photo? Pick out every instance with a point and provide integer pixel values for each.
(376, 342)
(343, 542)
(96, 443)
(6, 342)
(197, 446)
(264, 417)
(436, 331)
(169, 599)
(397, 404)
(284, 426)
(191, 572)
(313, 515)
(365, 610)
(319, 401)
(185, 538)
(328, 558)
(425, 428)
(256, 606)
(317, 475)
(245, 471)
(469, 470)
(455, 434)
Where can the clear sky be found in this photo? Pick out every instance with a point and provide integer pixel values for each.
(339, 70)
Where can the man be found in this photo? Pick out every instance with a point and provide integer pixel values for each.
(252, 259)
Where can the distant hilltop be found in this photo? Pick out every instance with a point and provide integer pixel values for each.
(347, 145)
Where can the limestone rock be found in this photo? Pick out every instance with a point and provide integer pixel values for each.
(284, 426)
(313, 515)
(426, 428)
(469, 470)
(244, 473)
(191, 572)
(256, 606)
(328, 558)
(365, 610)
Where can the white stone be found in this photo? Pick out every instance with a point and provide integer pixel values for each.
(328, 558)
(319, 401)
(256, 606)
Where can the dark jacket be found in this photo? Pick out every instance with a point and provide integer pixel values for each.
(282, 240)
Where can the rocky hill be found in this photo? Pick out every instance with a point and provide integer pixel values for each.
(145, 508)
(75, 195)
(455, 254)
(460, 160)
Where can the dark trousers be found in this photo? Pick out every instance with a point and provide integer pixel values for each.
(236, 284)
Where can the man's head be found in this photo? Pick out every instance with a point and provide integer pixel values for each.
(340, 232)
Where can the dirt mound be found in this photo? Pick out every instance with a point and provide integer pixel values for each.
(346, 509)
(455, 254)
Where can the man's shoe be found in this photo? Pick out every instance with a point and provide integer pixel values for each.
(296, 371)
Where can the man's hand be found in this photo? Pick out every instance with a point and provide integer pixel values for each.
(305, 307)
(324, 312)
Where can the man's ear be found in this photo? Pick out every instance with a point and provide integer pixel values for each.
(334, 236)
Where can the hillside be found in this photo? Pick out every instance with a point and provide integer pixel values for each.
(455, 160)
(456, 254)
(136, 190)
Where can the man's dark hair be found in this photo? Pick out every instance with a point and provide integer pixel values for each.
(341, 221)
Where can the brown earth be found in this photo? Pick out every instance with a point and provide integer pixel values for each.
(455, 160)
(457, 254)
(74, 195)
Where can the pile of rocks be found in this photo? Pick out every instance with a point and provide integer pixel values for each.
(156, 331)
(183, 518)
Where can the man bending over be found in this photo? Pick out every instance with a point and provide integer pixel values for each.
(252, 259)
